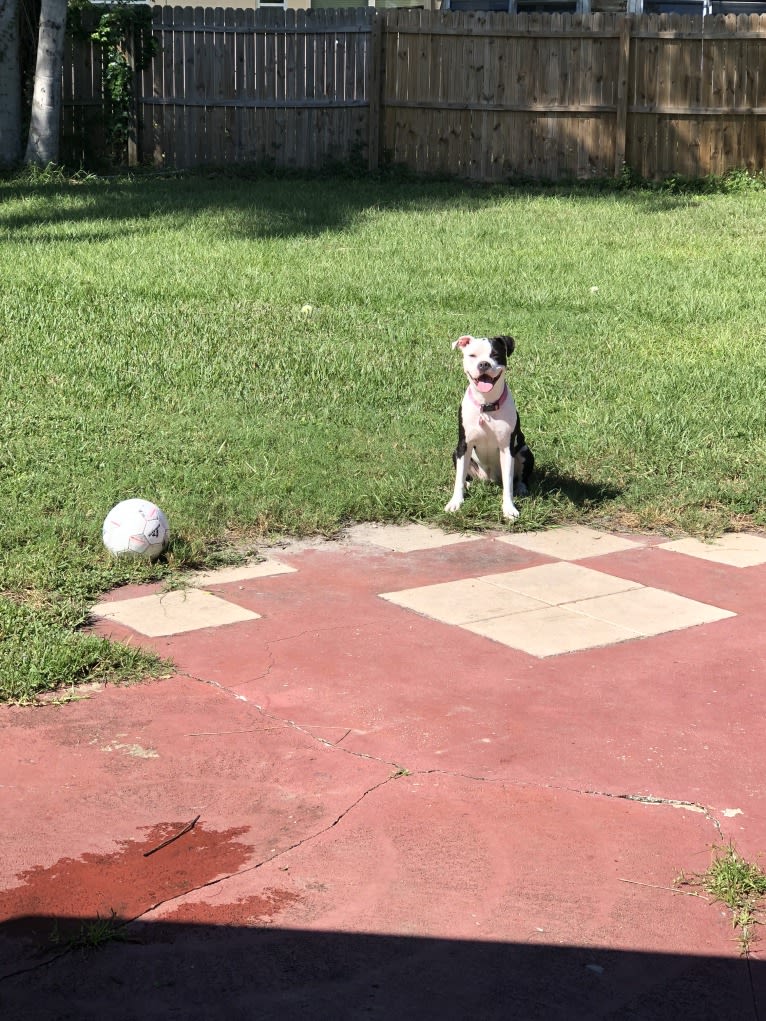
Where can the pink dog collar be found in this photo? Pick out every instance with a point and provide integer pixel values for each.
(486, 408)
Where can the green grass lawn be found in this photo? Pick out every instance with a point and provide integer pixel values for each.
(153, 342)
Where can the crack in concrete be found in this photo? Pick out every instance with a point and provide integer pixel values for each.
(265, 861)
(278, 641)
(37, 966)
(291, 723)
(402, 771)
(645, 799)
(650, 799)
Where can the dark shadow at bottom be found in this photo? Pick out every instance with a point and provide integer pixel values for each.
(192, 971)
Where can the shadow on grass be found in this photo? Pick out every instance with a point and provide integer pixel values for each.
(260, 205)
(210, 972)
(548, 482)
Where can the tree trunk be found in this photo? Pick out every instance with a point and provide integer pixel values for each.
(45, 124)
(10, 84)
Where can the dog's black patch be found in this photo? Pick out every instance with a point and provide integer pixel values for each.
(517, 437)
(502, 348)
(527, 465)
(462, 446)
(520, 449)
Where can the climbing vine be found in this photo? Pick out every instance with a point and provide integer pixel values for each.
(124, 31)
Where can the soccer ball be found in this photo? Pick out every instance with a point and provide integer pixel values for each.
(136, 527)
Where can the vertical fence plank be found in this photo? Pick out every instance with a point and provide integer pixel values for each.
(143, 113)
(758, 155)
(185, 73)
(290, 120)
(175, 45)
(302, 141)
(622, 95)
(309, 87)
(375, 92)
(166, 92)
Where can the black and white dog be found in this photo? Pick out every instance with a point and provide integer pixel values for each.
(490, 444)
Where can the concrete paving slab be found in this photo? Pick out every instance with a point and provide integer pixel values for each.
(560, 582)
(408, 538)
(514, 608)
(551, 631)
(247, 572)
(458, 602)
(410, 889)
(107, 779)
(574, 542)
(735, 549)
(650, 611)
(172, 613)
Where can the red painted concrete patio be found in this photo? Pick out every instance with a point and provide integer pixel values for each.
(399, 810)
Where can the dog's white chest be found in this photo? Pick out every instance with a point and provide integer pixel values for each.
(491, 429)
(488, 432)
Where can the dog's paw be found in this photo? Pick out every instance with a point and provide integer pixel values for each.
(510, 512)
(454, 505)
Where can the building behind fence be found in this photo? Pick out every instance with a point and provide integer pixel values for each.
(478, 95)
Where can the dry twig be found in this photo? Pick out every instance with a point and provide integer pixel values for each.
(187, 827)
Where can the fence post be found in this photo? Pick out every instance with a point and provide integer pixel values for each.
(620, 139)
(375, 90)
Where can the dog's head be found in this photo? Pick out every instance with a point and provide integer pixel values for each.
(485, 359)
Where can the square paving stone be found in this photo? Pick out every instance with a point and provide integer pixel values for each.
(225, 575)
(650, 611)
(456, 602)
(172, 613)
(408, 538)
(571, 543)
(562, 582)
(735, 549)
(551, 631)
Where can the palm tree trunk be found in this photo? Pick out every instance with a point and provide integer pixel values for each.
(10, 84)
(45, 123)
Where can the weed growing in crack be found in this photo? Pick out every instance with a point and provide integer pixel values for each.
(92, 935)
(738, 884)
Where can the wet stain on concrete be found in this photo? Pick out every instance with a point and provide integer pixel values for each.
(258, 910)
(122, 883)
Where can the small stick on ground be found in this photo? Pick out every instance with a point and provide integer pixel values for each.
(187, 827)
(669, 889)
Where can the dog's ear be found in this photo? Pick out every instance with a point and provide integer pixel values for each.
(462, 342)
(508, 342)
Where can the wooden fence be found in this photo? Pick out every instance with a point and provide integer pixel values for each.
(251, 86)
(484, 96)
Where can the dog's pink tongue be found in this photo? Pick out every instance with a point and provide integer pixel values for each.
(483, 386)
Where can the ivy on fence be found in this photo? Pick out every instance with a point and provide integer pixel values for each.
(124, 32)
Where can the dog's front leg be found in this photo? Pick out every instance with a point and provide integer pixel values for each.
(506, 471)
(461, 472)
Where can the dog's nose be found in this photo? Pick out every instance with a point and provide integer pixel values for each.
(484, 366)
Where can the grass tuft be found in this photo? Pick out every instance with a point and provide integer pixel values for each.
(92, 935)
(737, 883)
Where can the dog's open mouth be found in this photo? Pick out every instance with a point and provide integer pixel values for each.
(485, 382)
